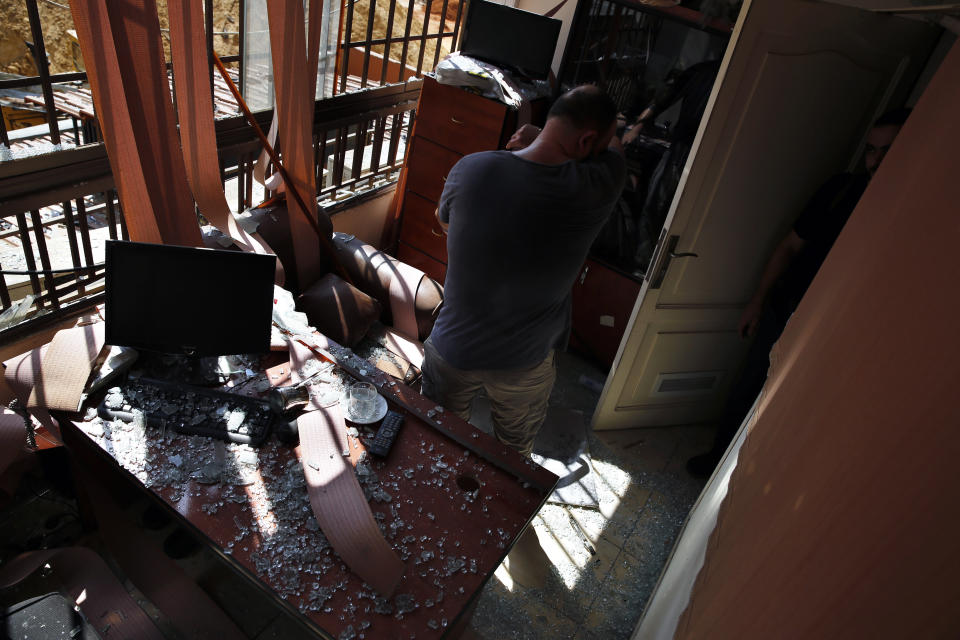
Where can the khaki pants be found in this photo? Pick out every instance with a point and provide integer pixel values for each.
(518, 397)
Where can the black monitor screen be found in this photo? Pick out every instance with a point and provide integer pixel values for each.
(190, 301)
(511, 38)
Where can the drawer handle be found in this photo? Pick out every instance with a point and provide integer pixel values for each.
(455, 121)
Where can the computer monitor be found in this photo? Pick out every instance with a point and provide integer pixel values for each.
(188, 301)
(511, 38)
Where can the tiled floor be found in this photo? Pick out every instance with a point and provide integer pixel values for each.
(602, 564)
(589, 573)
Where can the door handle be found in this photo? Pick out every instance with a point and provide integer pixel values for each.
(664, 263)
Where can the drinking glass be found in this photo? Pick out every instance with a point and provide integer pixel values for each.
(363, 400)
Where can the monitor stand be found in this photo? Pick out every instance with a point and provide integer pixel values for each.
(203, 371)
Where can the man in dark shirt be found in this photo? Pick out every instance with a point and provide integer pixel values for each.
(519, 226)
(786, 277)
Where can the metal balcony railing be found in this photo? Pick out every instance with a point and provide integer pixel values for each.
(58, 204)
(57, 210)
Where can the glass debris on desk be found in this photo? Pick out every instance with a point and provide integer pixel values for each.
(262, 494)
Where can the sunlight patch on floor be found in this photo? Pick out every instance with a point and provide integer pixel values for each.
(569, 535)
(613, 483)
(503, 575)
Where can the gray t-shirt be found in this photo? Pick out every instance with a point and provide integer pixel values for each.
(519, 233)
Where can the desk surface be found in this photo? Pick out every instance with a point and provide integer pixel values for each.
(449, 512)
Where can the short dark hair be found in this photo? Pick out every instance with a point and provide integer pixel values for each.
(894, 117)
(586, 107)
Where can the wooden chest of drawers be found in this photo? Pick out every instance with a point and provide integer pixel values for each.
(450, 124)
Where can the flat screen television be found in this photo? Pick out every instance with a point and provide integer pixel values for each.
(510, 38)
(188, 301)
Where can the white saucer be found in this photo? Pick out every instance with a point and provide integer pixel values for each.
(379, 411)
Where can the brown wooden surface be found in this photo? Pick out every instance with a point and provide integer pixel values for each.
(421, 228)
(425, 498)
(416, 258)
(840, 519)
(601, 292)
(428, 166)
(459, 120)
(142, 559)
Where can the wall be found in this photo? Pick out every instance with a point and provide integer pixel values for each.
(946, 42)
(395, 71)
(366, 220)
(566, 14)
(840, 519)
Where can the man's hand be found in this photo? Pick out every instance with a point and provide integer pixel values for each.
(632, 134)
(750, 319)
(523, 137)
(638, 126)
(616, 145)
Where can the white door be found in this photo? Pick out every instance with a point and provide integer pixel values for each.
(799, 86)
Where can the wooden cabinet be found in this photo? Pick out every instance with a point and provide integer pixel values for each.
(450, 124)
(603, 300)
(416, 258)
(459, 120)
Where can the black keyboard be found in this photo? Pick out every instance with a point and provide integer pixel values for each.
(190, 410)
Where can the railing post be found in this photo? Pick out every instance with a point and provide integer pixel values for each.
(48, 283)
(443, 23)
(43, 69)
(406, 41)
(4, 292)
(208, 21)
(386, 45)
(345, 45)
(366, 51)
(423, 37)
(27, 247)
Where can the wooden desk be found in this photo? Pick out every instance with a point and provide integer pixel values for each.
(257, 515)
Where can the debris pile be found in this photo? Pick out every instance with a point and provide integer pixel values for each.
(262, 492)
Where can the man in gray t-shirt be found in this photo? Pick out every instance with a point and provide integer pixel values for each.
(519, 226)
